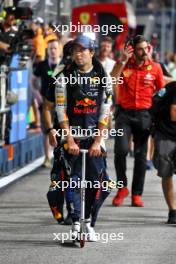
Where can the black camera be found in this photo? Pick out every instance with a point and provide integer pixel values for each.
(18, 39)
(20, 42)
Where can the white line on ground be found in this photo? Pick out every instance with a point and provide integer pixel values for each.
(22, 172)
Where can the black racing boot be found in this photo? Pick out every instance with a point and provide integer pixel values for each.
(172, 217)
(68, 220)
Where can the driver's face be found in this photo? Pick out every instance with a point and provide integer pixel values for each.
(82, 56)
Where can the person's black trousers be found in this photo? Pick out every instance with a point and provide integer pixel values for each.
(135, 123)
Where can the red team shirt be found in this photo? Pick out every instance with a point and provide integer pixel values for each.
(139, 84)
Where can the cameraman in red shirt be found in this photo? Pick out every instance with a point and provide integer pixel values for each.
(141, 78)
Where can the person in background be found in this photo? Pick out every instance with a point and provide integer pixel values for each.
(55, 195)
(141, 78)
(105, 52)
(7, 30)
(104, 57)
(165, 146)
(38, 41)
(43, 71)
(167, 78)
(49, 34)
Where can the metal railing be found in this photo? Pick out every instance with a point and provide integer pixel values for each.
(4, 109)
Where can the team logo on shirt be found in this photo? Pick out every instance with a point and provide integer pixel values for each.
(149, 67)
(149, 77)
(95, 80)
(86, 102)
(85, 106)
(60, 99)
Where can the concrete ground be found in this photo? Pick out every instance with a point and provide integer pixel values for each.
(27, 226)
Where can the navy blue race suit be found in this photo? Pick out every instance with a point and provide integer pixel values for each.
(84, 106)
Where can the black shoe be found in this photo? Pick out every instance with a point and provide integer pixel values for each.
(68, 220)
(172, 217)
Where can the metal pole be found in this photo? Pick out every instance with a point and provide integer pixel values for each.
(65, 9)
(58, 11)
(83, 178)
(172, 30)
(44, 10)
(134, 4)
(163, 33)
